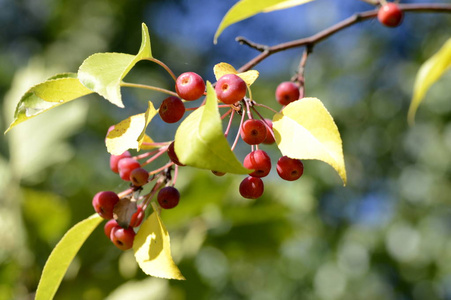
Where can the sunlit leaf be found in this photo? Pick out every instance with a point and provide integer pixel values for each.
(222, 69)
(153, 250)
(62, 255)
(429, 73)
(247, 8)
(130, 133)
(103, 72)
(200, 141)
(306, 130)
(57, 90)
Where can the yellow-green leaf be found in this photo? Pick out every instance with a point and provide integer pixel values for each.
(429, 73)
(103, 72)
(62, 255)
(57, 90)
(130, 133)
(222, 69)
(153, 250)
(200, 141)
(306, 130)
(247, 8)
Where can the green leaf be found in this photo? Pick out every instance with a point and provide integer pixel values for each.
(153, 250)
(62, 255)
(247, 8)
(305, 130)
(103, 72)
(130, 133)
(57, 90)
(429, 73)
(200, 141)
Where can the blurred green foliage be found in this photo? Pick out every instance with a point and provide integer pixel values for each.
(384, 236)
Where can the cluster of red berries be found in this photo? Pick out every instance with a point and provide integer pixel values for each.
(390, 14)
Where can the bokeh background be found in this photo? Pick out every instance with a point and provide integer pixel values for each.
(384, 236)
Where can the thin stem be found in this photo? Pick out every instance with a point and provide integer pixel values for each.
(125, 193)
(163, 65)
(267, 107)
(239, 131)
(176, 173)
(161, 168)
(144, 155)
(160, 152)
(322, 35)
(156, 144)
(229, 125)
(148, 87)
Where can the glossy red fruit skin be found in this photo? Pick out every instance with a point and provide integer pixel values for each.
(104, 202)
(172, 156)
(251, 187)
(122, 238)
(139, 176)
(269, 133)
(114, 161)
(289, 169)
(253, 131)
(109, 226)
(126, 166)
(259, 161)
(390, 15)
(190, 86)
(168, 197)
(137, 217)
(230, 89)
(287, 92)
(172, 109)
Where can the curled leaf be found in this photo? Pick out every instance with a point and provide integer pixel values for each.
(130, 133)
(62, 255)
(57, 90)
(306, 130)
(247, 8)
(103, 72)
(200, 141)
(429, 73)
(153, 250)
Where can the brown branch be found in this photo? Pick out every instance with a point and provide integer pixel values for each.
(267, 51)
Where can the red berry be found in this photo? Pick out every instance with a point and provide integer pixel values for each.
(109, 227)
(259, 161)
(114, 160)
(139, 176)
(168, 197)
(390, 15)
(289, 168)
(172, 156)
(253, 131)
(172, 109)
(104, 202)
(251, 187)
(269, 133)
(190, 86)
(122, 238)
(230, 88)
(137, 217)
(126, 166)
(287, 92)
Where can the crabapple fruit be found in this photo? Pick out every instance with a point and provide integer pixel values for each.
(122, 238)
(168, 197)
(126, 166)
(139, 176)
(104, 202)
(251, 187)
(253, 131)
(114, 161)
(289, 168)
(190, 86)
(287, 92)
(172, 109)
(109, 226)
(230, 88)
(259, 161)
(137, 217)
(390, 15)
(269, 133)
(172, 156)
